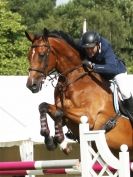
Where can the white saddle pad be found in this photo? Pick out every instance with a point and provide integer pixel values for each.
(116, 92)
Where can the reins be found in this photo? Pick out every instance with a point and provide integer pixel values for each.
(61, 85)
(76, 79)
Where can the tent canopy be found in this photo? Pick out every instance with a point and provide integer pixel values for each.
(19, 115)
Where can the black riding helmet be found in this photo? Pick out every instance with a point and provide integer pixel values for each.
(90, 39)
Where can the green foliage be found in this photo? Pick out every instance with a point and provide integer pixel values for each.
(112, 19)
(33, 12)
(12, 43)
(70, 18)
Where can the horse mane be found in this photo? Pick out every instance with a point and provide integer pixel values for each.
(63, 35)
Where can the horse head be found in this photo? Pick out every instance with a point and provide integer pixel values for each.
(48, 52)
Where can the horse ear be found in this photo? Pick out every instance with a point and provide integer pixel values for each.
(29, 36)
(45, 33)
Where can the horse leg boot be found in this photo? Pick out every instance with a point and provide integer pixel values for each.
(59, 134)
(49, 140)
(128, 103)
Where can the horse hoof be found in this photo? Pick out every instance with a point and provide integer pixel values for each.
(67, 150)
(65, 147)
(50, 143)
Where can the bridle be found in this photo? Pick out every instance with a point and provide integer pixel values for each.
(44, 58)
(61, 85)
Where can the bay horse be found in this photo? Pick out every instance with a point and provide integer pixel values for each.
(78, 92)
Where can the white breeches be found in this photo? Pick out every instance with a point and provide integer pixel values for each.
(121, 81)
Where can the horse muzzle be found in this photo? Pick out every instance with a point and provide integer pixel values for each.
(34, 86)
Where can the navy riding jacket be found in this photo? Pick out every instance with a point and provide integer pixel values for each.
(106, 62)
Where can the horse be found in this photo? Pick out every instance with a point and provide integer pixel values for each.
(78, 92)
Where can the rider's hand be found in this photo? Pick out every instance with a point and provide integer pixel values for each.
(87, 64)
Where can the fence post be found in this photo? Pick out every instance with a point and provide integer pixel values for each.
(124, 170)
(84, 26)
(86, 158)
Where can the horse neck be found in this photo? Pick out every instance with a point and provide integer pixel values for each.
(67, 57)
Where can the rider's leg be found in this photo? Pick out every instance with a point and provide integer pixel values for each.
(121, 80)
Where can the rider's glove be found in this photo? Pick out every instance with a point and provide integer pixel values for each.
(88, 64)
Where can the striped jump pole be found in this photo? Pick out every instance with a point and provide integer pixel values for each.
(96, 167)
(34, 165)
(69, 171)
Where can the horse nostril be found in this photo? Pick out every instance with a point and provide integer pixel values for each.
(34, 86)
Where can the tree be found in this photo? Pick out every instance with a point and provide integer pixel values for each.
(111, 19)
(12, 43)
(32, 11)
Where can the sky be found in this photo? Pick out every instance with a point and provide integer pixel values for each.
(60, 2)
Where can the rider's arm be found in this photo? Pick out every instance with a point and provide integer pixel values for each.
(110, 66)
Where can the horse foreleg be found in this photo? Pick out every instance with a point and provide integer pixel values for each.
(49, 140)
(57, 116)
(59, 135)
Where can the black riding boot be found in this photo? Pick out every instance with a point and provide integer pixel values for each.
(128, 103)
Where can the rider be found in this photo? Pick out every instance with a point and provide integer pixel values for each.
(100, 57)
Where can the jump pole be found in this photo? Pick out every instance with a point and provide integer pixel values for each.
(69, 171)
(34, 165)
(97, 167)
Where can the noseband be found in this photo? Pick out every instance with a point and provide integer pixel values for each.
(37, 70)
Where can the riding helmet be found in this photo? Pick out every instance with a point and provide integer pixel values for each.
(90, 39)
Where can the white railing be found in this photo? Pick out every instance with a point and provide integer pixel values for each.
(103, 155)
